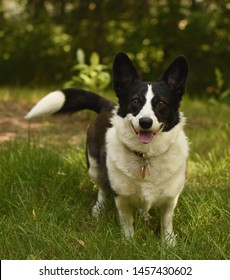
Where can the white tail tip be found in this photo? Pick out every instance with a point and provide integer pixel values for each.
(48, 105)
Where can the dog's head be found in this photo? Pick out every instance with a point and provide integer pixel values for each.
(151, 107)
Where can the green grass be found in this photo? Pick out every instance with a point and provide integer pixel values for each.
(46, 198)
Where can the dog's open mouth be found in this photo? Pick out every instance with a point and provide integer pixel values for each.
(146, 136)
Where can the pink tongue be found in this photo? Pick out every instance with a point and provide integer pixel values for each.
(145, 136)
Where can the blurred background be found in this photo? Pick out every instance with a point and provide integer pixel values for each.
(51, 42)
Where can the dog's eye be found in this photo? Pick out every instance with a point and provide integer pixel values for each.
(161, 104)
(135, 103)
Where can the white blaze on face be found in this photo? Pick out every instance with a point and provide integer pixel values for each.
(147, 111)
(145, 136)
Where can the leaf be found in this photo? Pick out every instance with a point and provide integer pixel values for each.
(80, 56)
(219, 78)
(85, 78)
(79, 67)
(94, 58)
(69, 84)
(225, 94)
(100, 67)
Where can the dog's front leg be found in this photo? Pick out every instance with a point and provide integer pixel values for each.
(125, 212)
(167, 211)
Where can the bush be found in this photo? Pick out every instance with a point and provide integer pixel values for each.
(94, 76)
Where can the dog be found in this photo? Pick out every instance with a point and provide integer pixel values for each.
(136, 149)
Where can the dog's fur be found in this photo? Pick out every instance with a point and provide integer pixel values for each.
(137, 149)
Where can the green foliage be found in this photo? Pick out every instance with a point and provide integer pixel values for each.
(30, 52)
(39, 39)
(218, 92)
(95, 76)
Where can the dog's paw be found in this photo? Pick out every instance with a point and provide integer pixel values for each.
(170, 240)
(96, 210)
(128, 234)
(145, 215)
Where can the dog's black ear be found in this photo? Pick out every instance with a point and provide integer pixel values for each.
(124, 73)
(176, 75)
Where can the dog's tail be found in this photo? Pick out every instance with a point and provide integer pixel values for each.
(69, 101)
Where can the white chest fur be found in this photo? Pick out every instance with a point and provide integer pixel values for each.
(165, 172)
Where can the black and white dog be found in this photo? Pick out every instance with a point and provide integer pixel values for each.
(137, 149)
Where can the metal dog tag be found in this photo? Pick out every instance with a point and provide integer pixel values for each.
(144, 168)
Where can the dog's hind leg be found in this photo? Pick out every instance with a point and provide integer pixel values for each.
(95, 173)
(99, 205)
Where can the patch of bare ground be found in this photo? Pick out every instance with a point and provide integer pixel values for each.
(56, 130)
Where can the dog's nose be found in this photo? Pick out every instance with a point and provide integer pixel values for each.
(145, 122)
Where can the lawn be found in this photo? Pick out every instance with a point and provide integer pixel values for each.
(46, 195)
